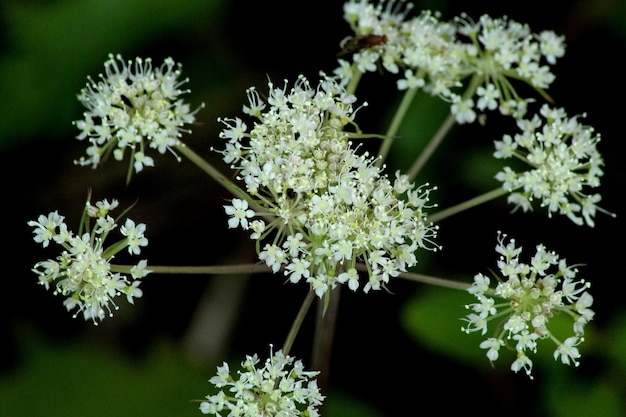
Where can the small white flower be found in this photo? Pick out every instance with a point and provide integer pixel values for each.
(493, 345)
(135, 235)
(46, 227)
(240, 214)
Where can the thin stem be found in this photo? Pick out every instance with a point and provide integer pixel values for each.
(439, 282)
(354, 80)
(395, 124)
(425, 279)
(483, 198)
(216, 175)
(297, 323)
(214, 269)
(430, 149)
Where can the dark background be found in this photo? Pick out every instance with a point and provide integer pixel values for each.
(153, 357)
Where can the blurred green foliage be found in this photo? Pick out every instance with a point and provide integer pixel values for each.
(84, 379)
(49, 47)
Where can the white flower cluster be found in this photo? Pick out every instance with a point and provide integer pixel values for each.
(82, 273)
(281, 388)
(437, 56)
(565, 162)
(533, 293)
(134, 106)
(326, 205)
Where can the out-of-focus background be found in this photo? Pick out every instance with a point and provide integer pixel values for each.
(395, 354)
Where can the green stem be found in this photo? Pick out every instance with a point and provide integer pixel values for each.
(115, 248)
(424, 279)
(430, 149)
(297, 323)
(214, 269)
(440, 215)
(395, 124)
(354, 81)
(217, 175)
(439, 282)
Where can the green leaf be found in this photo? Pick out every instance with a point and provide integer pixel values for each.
(433, 319)
(82, 379)
(421, 122)
(51, 47)
(338, 404)
(615, 339)
(569, 396)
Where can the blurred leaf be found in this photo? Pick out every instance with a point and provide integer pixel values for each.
(616, 341)
(479, 168)
(568, 396)
(338, 404)
(423, 119)
(51, 47)
(433, 319)
(84, 380)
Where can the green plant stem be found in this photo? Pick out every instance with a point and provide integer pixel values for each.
(440, 215)
(430, 148)
(354, 81)
(213, 269)
(297, 323)
(424, 279)
(439, 282)
(217, 175)
(395, 124)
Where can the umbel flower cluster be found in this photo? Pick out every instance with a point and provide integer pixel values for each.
(531, 295)
(438, 57)
(564, 160)
(281, 387)
(133, 107)
(328, 206)
(82, 273)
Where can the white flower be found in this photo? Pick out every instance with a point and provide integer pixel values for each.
(493, 345)
(328, 204)
(281, 387)
(134, 234)
(463, 110)
(240, 213)
(132, 106)
(46, 227)
(568, 350)
(82, 273)
(532, 294)
(564, 165)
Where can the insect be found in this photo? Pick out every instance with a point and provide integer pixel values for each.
(353, 44)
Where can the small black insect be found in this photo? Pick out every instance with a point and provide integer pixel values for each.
(290, 193)
(354, 44)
